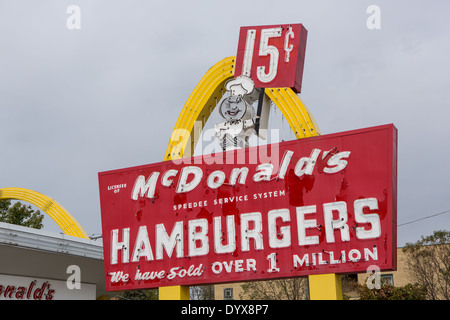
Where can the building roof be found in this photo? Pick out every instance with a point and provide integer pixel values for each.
(14, 235)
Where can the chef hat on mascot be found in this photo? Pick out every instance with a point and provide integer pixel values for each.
(241, 86)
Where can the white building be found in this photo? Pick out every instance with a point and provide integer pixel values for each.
(41, 265)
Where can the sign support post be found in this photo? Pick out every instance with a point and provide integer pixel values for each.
(174, 293)
(325, 287)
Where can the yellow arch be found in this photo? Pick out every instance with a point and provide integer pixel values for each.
(60, 215)
(208, 93)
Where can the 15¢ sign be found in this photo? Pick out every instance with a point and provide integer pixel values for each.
(272, 56)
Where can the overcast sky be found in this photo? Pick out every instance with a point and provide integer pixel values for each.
(107, 96)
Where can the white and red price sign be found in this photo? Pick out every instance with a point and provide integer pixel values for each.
(325, 204)
(272, 56)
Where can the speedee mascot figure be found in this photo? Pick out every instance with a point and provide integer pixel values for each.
(238, 113)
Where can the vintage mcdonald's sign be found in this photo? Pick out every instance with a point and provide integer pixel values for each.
(324, 204)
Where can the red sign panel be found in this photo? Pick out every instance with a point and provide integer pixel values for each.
(272, 56)
(318, 205)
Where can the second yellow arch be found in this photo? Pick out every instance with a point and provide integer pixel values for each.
(63, 219)
(208, 93)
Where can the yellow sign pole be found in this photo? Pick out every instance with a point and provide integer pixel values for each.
(325, 287)
(174, 293)
(196, 112)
